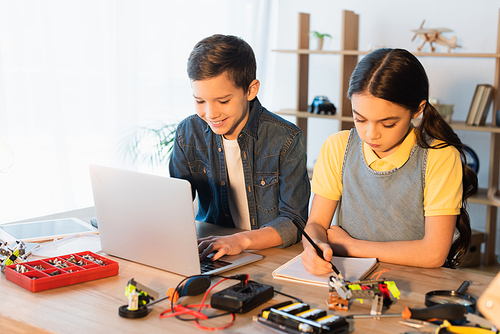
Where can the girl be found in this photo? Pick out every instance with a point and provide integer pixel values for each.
(403, 188)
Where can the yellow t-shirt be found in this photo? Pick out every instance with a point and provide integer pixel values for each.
(443, 175)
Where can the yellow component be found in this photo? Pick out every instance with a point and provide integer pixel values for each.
(129, 289)
(9, 261)
(356, 287)
(265, 314)
(391, 285)
(462, 329)
(308, 312)
(292, 307)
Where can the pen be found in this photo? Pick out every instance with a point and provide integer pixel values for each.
(318, 250)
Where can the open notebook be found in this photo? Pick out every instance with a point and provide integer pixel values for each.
(351, 268)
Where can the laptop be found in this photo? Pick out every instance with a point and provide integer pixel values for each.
(149, 219)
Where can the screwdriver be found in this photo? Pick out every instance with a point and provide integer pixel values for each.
(433, 313)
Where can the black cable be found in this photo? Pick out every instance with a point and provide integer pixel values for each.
(289, 296)
(240, 277)
(208, 317)
(236, 277)
(173, 296)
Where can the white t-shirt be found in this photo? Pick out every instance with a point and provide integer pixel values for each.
(238, 202)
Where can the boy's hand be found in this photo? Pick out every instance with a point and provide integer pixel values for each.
(313, 263)
(224, 245)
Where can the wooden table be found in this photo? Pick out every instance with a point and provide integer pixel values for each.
(92, 307)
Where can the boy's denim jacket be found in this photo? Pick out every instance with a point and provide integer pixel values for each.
(274, 164)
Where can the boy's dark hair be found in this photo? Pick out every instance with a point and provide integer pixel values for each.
(217, 54)
(396, 75)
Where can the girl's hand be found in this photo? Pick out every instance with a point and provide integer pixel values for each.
(313, 263)
(339, 240)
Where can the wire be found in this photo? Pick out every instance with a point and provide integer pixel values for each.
(202, 302)
(208, 291)
(177, 310)
(378, 273)
(215, 328)
(289, 296)
(175, 291)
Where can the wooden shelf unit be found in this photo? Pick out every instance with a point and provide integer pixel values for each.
(418, 54)
(349, 58)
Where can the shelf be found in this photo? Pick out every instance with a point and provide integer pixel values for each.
(481, 197)
(418, 54)
(306, 114)
(460, 125)
(349, 56)
(457, 125)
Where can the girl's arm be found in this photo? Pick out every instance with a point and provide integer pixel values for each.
(320, 218)
(430, 252)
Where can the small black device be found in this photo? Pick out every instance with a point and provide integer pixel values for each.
(242, 297)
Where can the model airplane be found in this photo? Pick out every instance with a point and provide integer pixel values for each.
(434, 36)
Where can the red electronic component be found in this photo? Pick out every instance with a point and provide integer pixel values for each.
(61, 271)
(384, 291)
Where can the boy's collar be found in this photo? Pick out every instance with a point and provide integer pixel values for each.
(253, 118)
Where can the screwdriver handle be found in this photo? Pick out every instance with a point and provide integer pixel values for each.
(437, 312)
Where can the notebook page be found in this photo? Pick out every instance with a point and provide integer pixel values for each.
(351, 268)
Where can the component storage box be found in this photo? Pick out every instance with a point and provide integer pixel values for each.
(60, 271)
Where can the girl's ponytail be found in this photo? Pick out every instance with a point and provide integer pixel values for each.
(435, 126)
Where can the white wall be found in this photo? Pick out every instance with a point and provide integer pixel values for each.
(388, 24)
(76, 77)
(110, 56)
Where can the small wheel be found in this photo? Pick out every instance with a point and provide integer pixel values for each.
(124, 312)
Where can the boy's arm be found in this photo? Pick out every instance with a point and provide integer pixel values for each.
(178, 165)
(294, 191)
(238, 242)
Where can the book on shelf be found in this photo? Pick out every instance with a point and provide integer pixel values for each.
(484, 105)
(351, 268)
(480, 105)
(476, 98)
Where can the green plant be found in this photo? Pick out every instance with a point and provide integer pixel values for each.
(319, 35)
(151, 145)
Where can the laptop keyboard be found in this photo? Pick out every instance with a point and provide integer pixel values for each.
(209, 265)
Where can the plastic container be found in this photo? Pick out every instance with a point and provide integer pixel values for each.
(60, 271)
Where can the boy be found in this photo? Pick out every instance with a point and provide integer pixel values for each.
(247, 164)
